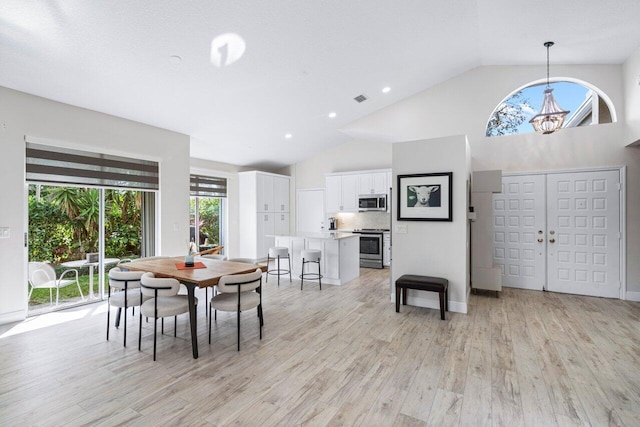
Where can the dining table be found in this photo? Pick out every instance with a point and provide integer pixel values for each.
(192, 278)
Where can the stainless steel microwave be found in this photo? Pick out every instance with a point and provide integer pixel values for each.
(372, 202)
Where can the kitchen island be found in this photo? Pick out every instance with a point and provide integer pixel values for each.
(340, 254)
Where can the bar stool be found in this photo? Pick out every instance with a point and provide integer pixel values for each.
(311, 255)
(278, 253)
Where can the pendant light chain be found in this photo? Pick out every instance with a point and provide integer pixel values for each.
(547, 64)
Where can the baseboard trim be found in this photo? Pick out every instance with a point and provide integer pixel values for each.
(633, 296)
(11, 317)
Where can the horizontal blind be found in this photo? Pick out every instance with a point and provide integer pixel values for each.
(67, 166)
(208, 186)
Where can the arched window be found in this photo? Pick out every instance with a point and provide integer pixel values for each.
(587, 105)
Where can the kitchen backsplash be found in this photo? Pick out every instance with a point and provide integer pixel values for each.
(350, 221)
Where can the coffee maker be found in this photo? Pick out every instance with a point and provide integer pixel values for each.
(333, 223)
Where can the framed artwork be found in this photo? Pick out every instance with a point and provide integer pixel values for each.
(425, 197)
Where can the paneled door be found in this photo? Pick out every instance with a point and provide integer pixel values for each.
(583, 240)
(519, 221)
(560, 232)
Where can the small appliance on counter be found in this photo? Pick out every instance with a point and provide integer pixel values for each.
(333, 223)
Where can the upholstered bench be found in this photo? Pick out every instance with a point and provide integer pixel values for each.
(423, 283)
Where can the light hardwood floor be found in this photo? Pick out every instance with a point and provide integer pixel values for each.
(340, 356)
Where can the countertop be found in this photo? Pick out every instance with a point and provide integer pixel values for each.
(328, 235)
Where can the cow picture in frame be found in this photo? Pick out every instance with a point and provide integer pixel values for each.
(425, 197)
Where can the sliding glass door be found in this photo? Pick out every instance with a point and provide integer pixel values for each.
(79, 229)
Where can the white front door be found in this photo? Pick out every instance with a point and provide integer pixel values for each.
(519, 223)
(584, 233)
(310, 211)
(560, 232)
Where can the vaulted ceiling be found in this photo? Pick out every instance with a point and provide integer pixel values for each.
(303, 59)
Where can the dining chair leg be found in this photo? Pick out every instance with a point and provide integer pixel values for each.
(118, 314)
(278, 267)
(261, 321)
(175, 326)
(209, 322)
(57, 295)
(319, 276)
(162, 330)
(206, 298)
(108, 315)
(289, 258)
(140, 332)
(155, 329)
(125, 325)
(302, 275)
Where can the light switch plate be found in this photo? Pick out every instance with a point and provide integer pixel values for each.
(401, 229)
(5, 232)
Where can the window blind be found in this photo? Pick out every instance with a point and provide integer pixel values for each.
(208, 186)
(58, 165)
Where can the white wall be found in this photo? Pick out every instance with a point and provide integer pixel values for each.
(463, 104)
(22, 114)
(434, 248)
(631, 80)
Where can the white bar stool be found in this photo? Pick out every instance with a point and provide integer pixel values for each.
(308, 256)
(278, 253)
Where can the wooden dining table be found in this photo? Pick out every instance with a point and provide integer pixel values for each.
(192, 278)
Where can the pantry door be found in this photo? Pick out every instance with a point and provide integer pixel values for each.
(584, 235)
(519, 220)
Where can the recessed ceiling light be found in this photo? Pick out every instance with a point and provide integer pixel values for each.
(288, 136)
(332, 114)
(386, 89)
(175, 59)
(226, 49)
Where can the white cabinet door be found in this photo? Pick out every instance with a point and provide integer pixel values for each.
(333, 194)
(372, 183)
(350, 193)
(281, 223)
(280, 194)
(518, 231)
(265, 226)
(265, 193)
(583, 236)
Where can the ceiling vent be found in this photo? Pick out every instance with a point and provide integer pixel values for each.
(361, 98)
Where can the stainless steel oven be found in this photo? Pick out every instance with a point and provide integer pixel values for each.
(370, 247)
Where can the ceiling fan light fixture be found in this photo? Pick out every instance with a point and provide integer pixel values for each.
(551, 116)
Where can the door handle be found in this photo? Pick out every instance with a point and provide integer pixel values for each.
(552, 240)
(540, 240)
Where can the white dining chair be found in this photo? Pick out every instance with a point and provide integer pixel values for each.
(163, 301)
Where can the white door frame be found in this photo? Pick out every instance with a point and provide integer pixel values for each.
(298, 199)
(623, 211)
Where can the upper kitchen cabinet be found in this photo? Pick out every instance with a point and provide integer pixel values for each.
(373, 183)
(341, 193)
(280, 194)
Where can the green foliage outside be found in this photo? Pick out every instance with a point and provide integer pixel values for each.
(209, 214)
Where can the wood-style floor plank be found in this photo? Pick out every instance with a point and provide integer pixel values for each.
(340, 356)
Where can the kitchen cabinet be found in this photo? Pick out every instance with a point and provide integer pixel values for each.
(373, 183)
(341, 193)
(263, 209)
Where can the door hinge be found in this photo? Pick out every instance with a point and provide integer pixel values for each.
(619, 186)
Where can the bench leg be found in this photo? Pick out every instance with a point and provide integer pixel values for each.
(398, 299)
(441, 304)
(404, 296)
(446, 300)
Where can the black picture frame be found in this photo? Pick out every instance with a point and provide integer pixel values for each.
(425, 197)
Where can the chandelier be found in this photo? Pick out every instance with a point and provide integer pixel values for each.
(551, 116)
